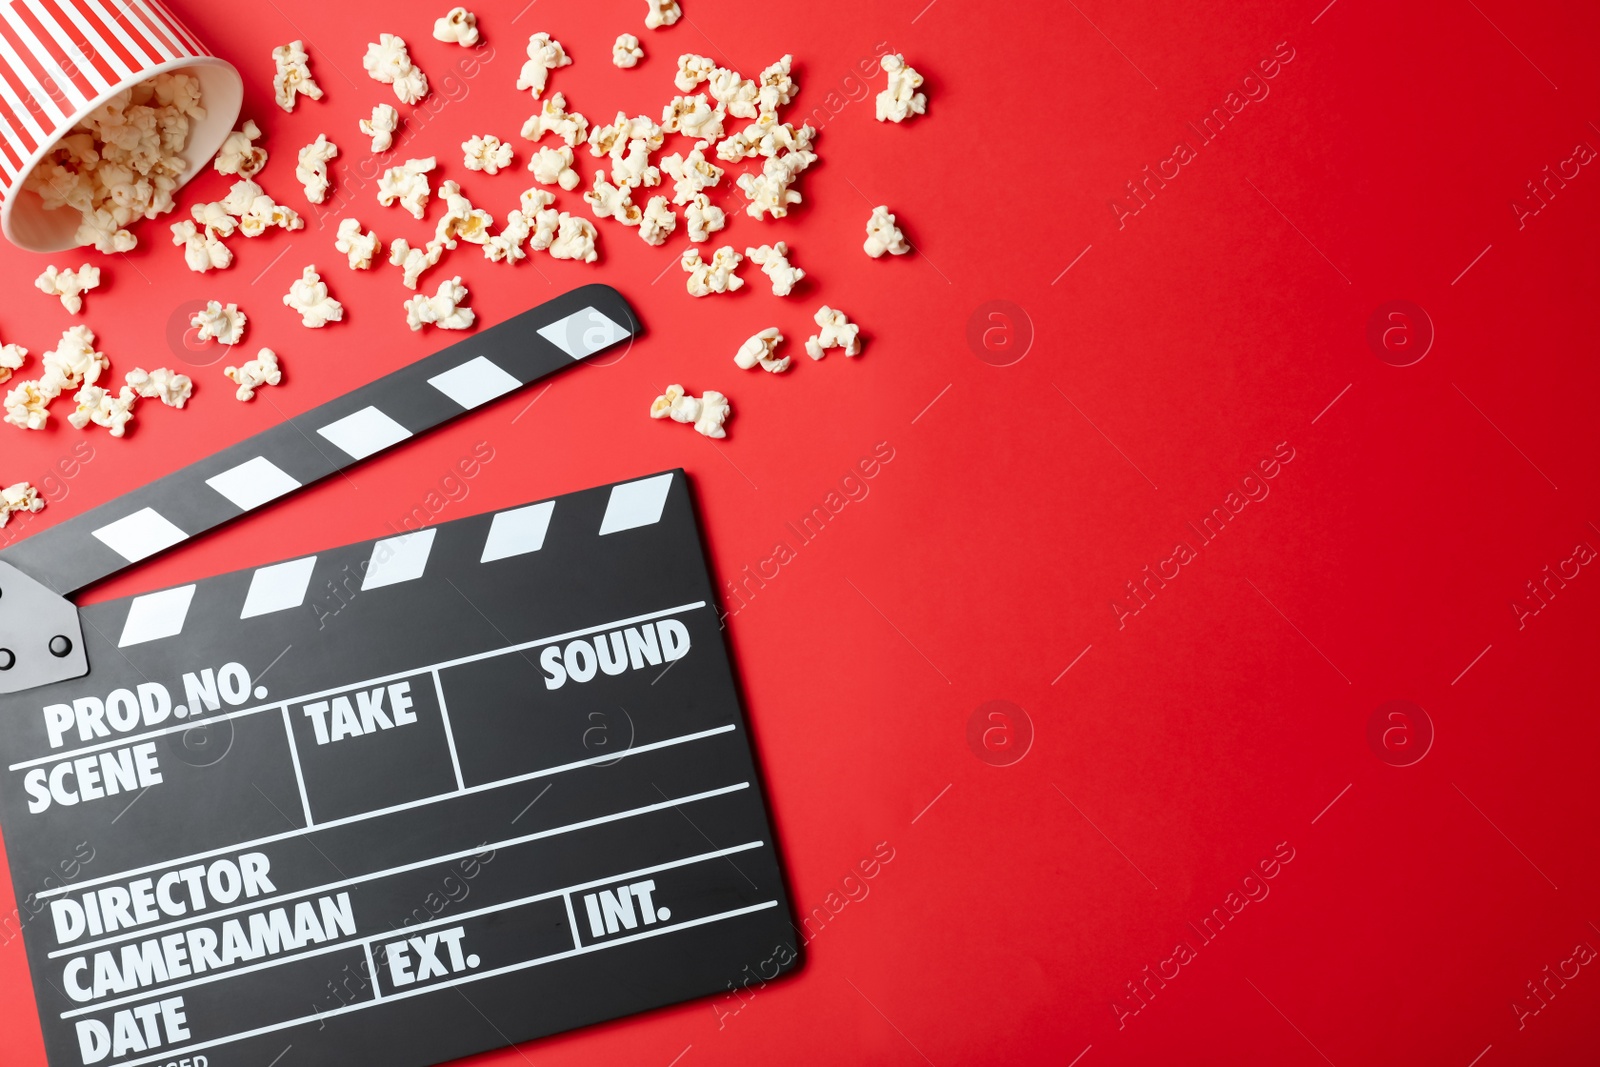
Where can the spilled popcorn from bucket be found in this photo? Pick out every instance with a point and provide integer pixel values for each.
(123, 162)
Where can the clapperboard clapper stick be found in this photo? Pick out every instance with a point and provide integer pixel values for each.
(396, 802)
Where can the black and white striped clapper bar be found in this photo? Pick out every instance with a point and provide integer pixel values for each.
(395, 802)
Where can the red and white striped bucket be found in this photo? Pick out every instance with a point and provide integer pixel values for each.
(61, 59)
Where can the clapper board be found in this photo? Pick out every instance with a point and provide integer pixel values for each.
(392, 803)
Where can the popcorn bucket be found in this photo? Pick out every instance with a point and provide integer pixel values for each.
(61, 59)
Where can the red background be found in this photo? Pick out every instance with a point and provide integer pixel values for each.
(1182, 747)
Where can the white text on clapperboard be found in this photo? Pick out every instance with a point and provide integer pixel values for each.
(93, 719)
(107, 967)
(128, 967)
(612, 653)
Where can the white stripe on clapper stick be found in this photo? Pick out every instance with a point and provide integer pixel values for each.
(517, 532)
(140, 535)
(156, 615)
(280, 587)
(475, 382)
(634, 504)
(252, 483)
(364, 433)
(399, 559)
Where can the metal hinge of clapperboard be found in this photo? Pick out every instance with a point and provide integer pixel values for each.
(41, 636)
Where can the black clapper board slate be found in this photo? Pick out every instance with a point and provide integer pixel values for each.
(397, 802)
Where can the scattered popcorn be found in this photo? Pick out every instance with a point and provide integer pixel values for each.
(629, 143)
(444, 309)
(707, 413)
(461, 221)
(535, 200)
(704, 218)
(122, 162)
(791, 164)
(546, 228)
(309, 296)
(88, 402)
(202, 251)
(389, 62)
(101, 229)
(238, 201)
(553, 166)
(214, 218)
(407, 184)
(312, 169)
(774, 263)
(239, 154)
(766, 137)
(714, 411)
(27, 405)
(381, 126)
(900, 100)
(171, 388)
(769, 192)
(72, 362)
(359, 248)
(626, 52)
(458, 26)
(775, 87)
(486, 153)
(691, 174)
(544, 55)
(632, 168)
(256, 211)
(883, 235)
(661, 13)
(657, 222)
(692, 70)
(507, 244)
(17, 499)
(413, 261)
(574, 238)
(545, 220)
(613, 136)
(837, 332)
(225, 325)
(783, 137)
(552, 117)
(264, 214)
(742, 145)
(293, 77)
(607, 201)
(11, 357)
(762, 348)
(69, 285)
(716, 276)
(103, 408)
(693, 116)
(737, 94)
(263, 370)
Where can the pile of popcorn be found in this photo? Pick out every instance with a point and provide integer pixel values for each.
(75, 365)
(124, 162)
